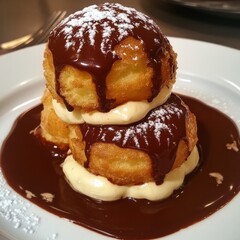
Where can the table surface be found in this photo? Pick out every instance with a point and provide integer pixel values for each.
(18, 18)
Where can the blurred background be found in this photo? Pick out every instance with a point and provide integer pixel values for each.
(216, 21)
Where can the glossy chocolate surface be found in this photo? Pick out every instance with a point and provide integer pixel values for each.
(86, 40)
(158, 134)
(27, 165)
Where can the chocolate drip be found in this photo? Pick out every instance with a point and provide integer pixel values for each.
(157, 134)
(25, 163)
(86, 40)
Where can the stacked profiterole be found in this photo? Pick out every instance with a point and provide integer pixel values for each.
(109, 74)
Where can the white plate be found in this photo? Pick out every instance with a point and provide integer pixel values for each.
(205, 71)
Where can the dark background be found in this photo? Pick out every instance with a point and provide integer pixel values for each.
(18, 18)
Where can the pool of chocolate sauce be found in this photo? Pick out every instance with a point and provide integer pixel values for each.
(27, 165)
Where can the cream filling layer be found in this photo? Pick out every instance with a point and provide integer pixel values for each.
(127, 113)
(98, 187)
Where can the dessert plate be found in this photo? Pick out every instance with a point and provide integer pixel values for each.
(206, 71)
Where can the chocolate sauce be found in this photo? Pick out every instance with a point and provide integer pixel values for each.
(27, 165)
(86, 40)
(157, 134)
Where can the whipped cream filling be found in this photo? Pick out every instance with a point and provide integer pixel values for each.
(127, 113)
(98, 187)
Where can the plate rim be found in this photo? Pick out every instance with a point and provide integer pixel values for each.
(36, 50)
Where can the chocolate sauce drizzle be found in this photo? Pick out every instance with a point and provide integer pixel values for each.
(26, 163)
(158, 134)
(86, 40)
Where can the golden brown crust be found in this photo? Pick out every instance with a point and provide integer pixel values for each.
(76, 144)
(121, 166)
(130, 78)
(49, 73)
(125, 166)
(53, 129)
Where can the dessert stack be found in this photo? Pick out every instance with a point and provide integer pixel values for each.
(108, 102)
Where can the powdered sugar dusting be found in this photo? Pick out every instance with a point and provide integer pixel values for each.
(18, 212)
(162, 128)
(101, 22)
(87, 40)
(15, 210)
(157, 124)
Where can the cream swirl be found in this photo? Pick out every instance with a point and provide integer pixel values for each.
(127, 113)
(81, 180)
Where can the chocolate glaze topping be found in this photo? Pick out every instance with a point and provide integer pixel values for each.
(158, 134)
(86, 40)
(27, 165)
